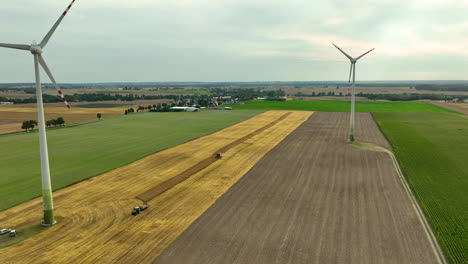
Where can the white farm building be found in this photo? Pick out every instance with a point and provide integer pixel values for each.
(184, 109)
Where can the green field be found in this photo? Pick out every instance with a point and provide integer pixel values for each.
(432, 149)
(83, 151)
(342, 106)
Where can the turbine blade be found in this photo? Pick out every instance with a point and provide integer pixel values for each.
(15, 46)
(364, 54)
(349, 57)
(54, 27)
(46, 69)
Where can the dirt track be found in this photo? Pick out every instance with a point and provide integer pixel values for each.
(312, 199)
(95, 225)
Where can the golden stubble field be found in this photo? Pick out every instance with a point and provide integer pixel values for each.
(12, 116)
(459, 107)
(95, 224)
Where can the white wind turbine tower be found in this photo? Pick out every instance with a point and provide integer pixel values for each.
(353, 71)
(36, 50)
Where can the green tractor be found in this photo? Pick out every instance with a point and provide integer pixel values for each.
(137, 210)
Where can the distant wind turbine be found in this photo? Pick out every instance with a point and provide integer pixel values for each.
(353, 71)
(36, 50)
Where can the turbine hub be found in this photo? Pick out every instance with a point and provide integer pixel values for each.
(36, 50)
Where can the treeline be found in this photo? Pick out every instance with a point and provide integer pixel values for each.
(391, 97)
(55, 122)
(411, 97)
(30, 124)
(202, 100)
(322, 94)
(244, 94)
(93, 97)
(442, 87)
(152, 108)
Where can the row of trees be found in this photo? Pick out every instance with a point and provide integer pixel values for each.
(55, 122)
(30, 124)
(164, 107)
(322, 94)
(242, 94)
(391, 97)
(442, 87)
(411, 96)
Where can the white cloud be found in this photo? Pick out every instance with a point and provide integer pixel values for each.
(414, 47)
(334, 21)
(160, 35)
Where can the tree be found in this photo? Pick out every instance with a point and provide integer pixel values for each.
(25, 125)
(60, 121)
(99, 115)
(29, 124)
(48, 123)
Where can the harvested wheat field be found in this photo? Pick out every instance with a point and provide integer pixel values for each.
(95, 224)
(312, 199)
(11, 118)
(458, 107)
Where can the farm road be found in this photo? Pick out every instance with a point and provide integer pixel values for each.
(312, 199)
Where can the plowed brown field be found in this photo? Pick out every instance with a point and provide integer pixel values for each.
(95, 225)
(312, 199)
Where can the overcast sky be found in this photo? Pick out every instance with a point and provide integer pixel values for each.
(237, 40)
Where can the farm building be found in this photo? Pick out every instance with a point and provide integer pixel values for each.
(184, 109)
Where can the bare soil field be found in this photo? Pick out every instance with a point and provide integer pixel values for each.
(12, 116)
(312, 199)
(459, 107)
(95, 224)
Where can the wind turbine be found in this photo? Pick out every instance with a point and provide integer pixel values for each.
(353, 71)
(36, 50)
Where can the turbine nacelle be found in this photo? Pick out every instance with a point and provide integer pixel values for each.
(36, 50)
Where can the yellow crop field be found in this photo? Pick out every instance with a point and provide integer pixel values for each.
(95, 221)
(12, 117)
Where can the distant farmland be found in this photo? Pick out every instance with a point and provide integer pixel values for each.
(432, 149)
(81, 152)
(342, 106)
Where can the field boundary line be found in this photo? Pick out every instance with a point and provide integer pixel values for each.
(436, 248)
